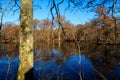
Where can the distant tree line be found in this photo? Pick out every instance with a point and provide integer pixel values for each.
(99, 30)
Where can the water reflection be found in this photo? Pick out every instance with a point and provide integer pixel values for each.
(8, 68)
(95, 62)
(115, 74)
(73, 68)
(101, 62)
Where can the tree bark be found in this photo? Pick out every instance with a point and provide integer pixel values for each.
(26, 39)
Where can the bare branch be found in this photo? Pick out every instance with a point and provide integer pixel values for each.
(17, 4)
(51, 10)
(37, 6)
(56, 7)
(4, 10)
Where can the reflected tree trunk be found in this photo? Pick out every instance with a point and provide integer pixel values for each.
(59, 45)
(26, 39)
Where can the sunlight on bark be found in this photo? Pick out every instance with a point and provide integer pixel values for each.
(26, 39)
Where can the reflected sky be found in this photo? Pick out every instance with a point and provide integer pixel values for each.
(56, 64)
(8, 69)
(73, 68)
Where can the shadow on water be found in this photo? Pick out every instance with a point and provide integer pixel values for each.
(64, 63)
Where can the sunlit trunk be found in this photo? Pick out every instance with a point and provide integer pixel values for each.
(48, 37)
(52, 33)
(48, 34)
(26, 39)
(59, 38)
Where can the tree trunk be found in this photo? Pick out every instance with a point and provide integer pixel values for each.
(26, 39)
(59, 35)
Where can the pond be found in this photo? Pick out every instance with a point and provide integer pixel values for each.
(63, 61)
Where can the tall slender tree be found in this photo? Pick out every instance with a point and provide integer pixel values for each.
(26, 38)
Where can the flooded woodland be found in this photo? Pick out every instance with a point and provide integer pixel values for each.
(63, 61)
(59, 40)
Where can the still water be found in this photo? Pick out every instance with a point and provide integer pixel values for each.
(64, 62)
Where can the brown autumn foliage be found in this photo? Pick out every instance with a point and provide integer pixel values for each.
(10, 33)
(100, 30)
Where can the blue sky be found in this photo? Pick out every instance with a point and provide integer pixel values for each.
(75, 17)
